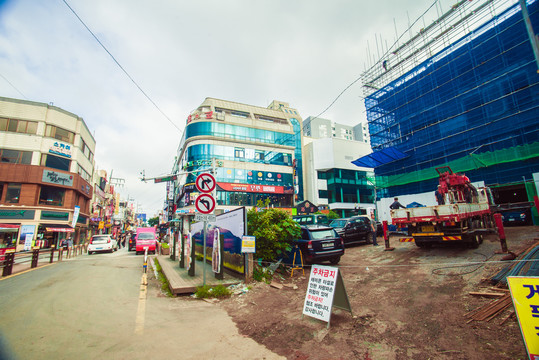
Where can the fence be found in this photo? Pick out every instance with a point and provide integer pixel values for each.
(12, 262)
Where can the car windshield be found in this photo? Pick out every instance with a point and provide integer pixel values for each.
(337, 223)
(100, 239)
(146, 236)
(323, 234)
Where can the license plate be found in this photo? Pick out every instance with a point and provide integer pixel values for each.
(427, 228)
(511, 219)
(146, 247)
(327, 245)
(99, 248)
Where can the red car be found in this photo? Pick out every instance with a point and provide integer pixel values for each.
(145, 240)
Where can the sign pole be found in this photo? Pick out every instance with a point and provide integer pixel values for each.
(204, 259)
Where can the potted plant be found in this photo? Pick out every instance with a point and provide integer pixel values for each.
(165, 248)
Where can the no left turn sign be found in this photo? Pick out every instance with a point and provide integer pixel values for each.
(205, 203)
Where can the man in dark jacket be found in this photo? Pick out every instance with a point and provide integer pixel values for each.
(396, 204)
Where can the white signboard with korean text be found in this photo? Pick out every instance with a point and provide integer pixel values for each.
(325, 291)
(248, 244)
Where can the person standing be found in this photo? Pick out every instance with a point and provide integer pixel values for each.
(373, 229)
(396, 204)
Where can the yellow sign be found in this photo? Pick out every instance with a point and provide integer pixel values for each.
(525, 294)
(101, 225)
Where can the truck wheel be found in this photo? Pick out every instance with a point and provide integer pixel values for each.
(423, 245)
(335, 260)
(472, 241)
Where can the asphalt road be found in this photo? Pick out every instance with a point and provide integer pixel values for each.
(93, 306)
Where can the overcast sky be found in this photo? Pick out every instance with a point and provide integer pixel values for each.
(303, 52)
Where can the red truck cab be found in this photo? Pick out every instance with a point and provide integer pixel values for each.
(146, 238)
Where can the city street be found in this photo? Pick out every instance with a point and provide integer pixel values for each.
(93, 306)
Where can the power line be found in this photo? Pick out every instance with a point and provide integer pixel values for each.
(13, 86)
(121, 67)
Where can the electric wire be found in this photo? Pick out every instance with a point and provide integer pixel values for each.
(13, 86)
(121, 67)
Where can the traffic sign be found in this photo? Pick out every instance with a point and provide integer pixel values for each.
(205, 183)
(205, 203)
(205, 217)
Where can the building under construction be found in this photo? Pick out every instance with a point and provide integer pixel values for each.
(462, 92)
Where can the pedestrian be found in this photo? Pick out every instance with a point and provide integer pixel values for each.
(440, 196)
(123, 240)
(396, 204)
(373, 229)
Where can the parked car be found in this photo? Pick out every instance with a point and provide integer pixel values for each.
(146, 238)
(320, 243)
(102, 243)
(353, 230)
(314, 219)
(517, 217)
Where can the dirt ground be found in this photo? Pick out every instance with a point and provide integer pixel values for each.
(409, 303)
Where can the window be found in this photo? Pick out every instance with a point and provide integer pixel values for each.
(55, 162)
(239, 153)
(20, 126)
(84, 174)
(59, 134)
(86, 151)
(13, 193)
(241, 114)
(1, 190)
(51, 196)
(15, 156)
(259, 155)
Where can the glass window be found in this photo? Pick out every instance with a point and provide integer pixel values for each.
(59, 134)
(52, 196)
(13, 193)
(3, 124)
(15, 156)
(55, 162)
(239, 153)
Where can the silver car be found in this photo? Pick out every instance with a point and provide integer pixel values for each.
(102, 243)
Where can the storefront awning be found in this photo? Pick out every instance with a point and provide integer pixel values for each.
(9, 227)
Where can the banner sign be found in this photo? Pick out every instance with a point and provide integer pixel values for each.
(325, 291)
(267, 189)
(75, 216)
(525, 295)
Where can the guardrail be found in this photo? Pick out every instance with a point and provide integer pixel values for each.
(18, 261)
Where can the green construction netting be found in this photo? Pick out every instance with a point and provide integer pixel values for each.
(470, 162)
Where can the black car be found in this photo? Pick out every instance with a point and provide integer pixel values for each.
(320, 243)
(132, 243)
(355, 229)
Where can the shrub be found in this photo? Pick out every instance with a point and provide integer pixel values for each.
(274, 230)
(165, 245)
(218, 291)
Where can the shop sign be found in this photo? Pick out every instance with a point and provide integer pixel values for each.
(17, 214)
(61, 149)
(85, 189)
(82, 220)
(53, 177)
(54, 215)
(218, 163)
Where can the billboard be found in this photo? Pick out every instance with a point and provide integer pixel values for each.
(233, 226)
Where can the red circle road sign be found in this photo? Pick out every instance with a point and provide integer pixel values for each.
(205, 183)
(205, 203)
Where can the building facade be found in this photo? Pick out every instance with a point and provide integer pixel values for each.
(47, 158)
(467, 99)
(333, 180)
(255, 151)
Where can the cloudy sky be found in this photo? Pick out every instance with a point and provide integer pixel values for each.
(178, 52)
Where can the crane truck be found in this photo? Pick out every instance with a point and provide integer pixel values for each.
(466, 215)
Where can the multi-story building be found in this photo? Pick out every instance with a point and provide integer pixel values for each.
(463, 93)
(256, 152)
(47, 158)
(333, 180)
(317, 128)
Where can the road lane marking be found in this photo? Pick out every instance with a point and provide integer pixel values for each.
(141, 310)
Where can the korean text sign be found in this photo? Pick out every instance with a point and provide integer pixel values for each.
(525, 294)
(319, 297)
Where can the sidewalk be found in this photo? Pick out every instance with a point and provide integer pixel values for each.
(181, 283)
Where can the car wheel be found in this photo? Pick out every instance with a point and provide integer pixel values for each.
(335, 260)
(89, 253)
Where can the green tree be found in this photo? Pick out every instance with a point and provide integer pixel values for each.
(333, 215)
(274, 230)
(153, 221)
